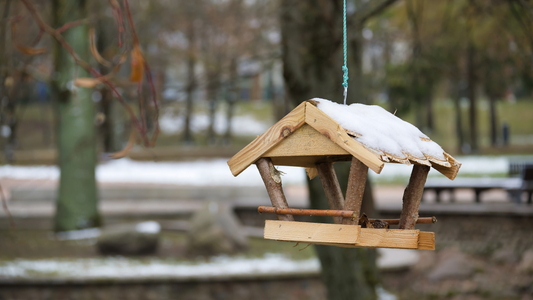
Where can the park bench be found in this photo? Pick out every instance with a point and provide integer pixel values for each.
(514, 186)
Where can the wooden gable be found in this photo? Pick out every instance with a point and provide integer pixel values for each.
(327, 141)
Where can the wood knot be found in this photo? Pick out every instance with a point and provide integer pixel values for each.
(286, 132)
(275, 174)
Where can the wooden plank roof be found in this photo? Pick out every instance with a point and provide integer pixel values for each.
(285, 142)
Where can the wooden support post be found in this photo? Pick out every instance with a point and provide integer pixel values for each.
(355, 190)
(331, 187)
(412, 196)
(272, 180)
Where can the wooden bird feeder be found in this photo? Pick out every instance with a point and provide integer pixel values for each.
(307, 137)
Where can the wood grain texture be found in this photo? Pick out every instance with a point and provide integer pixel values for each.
(305, 212)
(272, 182)
(312, 172)
(253, 151)
(332, 130)
(351, 236)
(331, 187)
(450, 172)
(308, 161)
(412, 196)
(313, 233)
(426, 240)
(355, 190)
(388, 238)
(305, 141)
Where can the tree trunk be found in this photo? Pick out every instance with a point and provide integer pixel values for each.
(312, 60)
(348, 273)
(191, 85)
(493, 121)
(458, 122)
(107, 128)
(212, 91)
(471, 73)
(104, 39)
(77, 197)
(429, 113)
(231, 98)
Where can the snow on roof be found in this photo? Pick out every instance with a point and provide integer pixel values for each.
(384, 133)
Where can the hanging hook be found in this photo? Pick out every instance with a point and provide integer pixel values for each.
(345, 94)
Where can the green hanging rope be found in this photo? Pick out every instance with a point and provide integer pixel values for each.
(345, 67)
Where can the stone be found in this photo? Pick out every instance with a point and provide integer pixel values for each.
(504, 256)
(129, 239)
(526, 264)
(453, 265)
(215, 229)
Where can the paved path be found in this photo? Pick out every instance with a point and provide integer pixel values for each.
(35, 198)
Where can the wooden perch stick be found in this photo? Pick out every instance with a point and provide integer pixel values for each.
(412, 196)
(355, 190)
(331, 213)
(331, 186)
(272, 180)
(306, 212)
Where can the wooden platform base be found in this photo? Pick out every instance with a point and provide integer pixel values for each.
(348, 235)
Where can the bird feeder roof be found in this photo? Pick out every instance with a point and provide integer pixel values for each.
(308, 135)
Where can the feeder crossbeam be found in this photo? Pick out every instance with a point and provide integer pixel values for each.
(332, 213)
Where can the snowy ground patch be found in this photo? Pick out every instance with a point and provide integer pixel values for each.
(271, 264)
(123, 268)
(215, 172)
(240, 125)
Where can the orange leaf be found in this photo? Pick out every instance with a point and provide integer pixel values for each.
(137, 64)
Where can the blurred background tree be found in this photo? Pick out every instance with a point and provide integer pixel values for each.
(77, 201)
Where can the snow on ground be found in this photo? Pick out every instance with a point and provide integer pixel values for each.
(119, 267)
(215, 172)
(217, 267)
(240, 125)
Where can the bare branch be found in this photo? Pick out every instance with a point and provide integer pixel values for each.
(57, 35)
(370, 9)
(73, 24)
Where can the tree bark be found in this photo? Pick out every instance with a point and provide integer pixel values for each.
(355, 190)
(412, 196)
(272, 180)
(77, 202)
